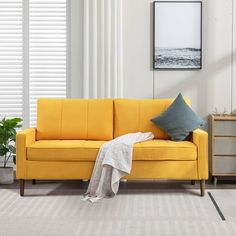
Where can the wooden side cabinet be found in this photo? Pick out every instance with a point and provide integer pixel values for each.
(222, 146)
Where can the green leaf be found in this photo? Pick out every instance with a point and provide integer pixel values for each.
(8, 136)
(3, 150)
(14, 159)
(11, 123)
(17, 120)
(12, 149)
(3, 120)
(1, 135)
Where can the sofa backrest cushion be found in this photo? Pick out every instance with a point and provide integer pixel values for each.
(135, 116)
(88, 119)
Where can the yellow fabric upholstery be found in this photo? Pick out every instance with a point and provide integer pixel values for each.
(75, 119)
(71, 131)
(23, 140)
(83, 170)
(162, 150)
(81, 150)
(200, 139)
(64, 150)
(164, 170)
(134, 115)
(58, 170)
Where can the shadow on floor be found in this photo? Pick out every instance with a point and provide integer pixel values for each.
(79, 187)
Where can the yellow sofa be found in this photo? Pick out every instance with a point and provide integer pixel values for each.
(70, 132)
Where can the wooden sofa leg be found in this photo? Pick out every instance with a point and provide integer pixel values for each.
(202, 187)
(33, 181)
(193, 182)
(22, 187)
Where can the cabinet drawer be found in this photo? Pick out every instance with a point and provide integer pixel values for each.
(225, 146)
(225, 128)
(225, 164)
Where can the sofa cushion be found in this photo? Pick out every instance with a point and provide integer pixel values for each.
(178, 120)
(64, 150)
(89, 119)
(83, 150)
(132, 116)
(161, 150)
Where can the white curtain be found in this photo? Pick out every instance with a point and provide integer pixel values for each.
(102, 49)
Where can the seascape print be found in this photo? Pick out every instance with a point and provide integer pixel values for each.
(177, 35)
(177, 58)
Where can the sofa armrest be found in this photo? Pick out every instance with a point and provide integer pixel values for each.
(24, 139)
(200, 139)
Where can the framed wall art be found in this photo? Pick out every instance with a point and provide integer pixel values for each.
(177, 35)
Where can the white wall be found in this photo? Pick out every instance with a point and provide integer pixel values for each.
(138, 73)
(212, 87)
(234, 60)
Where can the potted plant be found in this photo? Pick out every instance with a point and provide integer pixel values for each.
(7, 147)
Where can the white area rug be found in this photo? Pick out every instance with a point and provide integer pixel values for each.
(131, 213)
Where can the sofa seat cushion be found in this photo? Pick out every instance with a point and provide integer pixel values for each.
(159, 150)
(64, 150)
(83, 150)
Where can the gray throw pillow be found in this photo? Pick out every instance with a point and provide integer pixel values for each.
(179, 120)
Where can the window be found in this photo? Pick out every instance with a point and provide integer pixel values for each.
(11, 62)
(47, 51)
(33, 55)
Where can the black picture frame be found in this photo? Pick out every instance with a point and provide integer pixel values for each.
(189, 57)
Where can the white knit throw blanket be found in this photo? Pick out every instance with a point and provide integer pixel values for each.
(113, 161)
